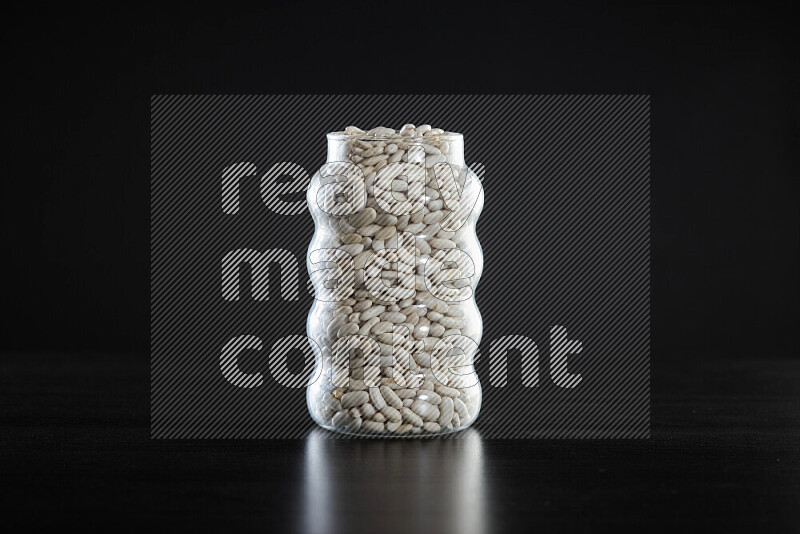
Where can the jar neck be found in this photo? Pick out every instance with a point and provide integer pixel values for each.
(365, 150)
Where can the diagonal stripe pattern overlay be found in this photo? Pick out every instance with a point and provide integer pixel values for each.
(565, 233)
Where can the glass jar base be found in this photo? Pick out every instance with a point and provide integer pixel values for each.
(412, 432)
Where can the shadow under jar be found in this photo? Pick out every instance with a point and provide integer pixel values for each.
(395, 261)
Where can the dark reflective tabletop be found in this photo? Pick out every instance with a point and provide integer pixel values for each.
(723, 456)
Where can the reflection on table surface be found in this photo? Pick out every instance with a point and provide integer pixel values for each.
(421, 485)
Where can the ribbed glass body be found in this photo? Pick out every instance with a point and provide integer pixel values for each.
(395, 261)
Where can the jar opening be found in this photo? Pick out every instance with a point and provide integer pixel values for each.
(341, 136)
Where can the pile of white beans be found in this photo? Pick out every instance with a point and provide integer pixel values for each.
(408, 387)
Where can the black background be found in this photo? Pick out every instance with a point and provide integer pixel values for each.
(722, 80)
(75, 188)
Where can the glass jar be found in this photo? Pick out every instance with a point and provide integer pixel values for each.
(395, 261)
